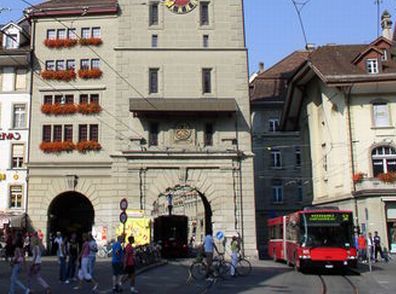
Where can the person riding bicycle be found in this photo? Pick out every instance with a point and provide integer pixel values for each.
(209, 245)
(235, 248)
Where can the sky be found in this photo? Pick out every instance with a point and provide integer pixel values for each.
(273, 30)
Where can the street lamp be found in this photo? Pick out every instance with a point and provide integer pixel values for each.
(169, 198)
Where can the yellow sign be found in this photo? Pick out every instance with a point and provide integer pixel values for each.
(3, 177)
(138, 227)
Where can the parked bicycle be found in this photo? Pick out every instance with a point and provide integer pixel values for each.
(106, 250)
(220, 268)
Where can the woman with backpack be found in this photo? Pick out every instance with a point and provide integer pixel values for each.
(34, 271)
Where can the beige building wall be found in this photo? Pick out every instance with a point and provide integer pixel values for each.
(49, 173)
(326, 112)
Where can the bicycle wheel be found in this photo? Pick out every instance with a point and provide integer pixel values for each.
(101, 253)
(198, 271)
(225, 270)
(243, 267)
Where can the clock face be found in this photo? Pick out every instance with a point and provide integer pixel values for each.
(181, 6)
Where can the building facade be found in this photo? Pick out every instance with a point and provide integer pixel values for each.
(14, 123)
(174, 121)
(71, 187)
(343, 98)
(279, 186)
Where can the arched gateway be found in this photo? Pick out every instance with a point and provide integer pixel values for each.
(190, 202)
(70, 212)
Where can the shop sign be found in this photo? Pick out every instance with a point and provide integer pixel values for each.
(10, 136)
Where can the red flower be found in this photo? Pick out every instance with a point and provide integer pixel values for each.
(59, 75)
(94, 73)
(358, 177)
(91, 41)
(58, 109)
(86, 146)
(89, 108)
(57, 147)
(387, 177)
(59, 43)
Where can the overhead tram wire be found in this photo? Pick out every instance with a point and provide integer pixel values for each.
(142, 96)
(63, 93)
(299, 6)
(115, 117)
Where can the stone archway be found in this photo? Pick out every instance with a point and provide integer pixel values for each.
(182, 196)
(70, 212)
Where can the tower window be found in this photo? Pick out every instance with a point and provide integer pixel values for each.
(207, 80)
(204, 13)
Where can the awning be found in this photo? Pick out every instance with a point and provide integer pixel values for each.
(182, 105)
(13, 219)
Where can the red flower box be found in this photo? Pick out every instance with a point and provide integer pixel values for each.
(387, 177)
(91, 41)
(60, 43)
(89, 108)
(59, 75)
(58, 109)
(90, 73)
(57, 147)
(358, 177)
(86, 146)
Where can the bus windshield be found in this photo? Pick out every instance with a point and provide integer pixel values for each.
(327, 229)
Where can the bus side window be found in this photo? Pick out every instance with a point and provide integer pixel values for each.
(280, 231)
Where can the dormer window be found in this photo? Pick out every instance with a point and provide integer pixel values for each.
(11, 41)
(372, 66)
(384, 55)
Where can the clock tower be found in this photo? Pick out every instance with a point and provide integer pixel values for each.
(182, 108)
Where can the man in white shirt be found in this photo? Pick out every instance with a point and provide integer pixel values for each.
(60, 252)
(209, 246)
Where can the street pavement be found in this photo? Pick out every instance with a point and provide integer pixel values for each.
(266, 277)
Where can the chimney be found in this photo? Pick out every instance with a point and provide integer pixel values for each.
(310, 47)
(386, 24)
(261, 67)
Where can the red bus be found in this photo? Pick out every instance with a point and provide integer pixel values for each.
(313, 238)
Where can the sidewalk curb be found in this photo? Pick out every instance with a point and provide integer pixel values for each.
(151, 266)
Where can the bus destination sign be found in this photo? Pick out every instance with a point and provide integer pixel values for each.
(328, 217)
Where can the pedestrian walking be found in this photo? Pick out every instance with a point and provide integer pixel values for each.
(93, 249)
(117, 264)
(235, 248)
(26, 245)
(362, 247)
(35, 269)
(370, 246)
(59, 243)
(10, 245)
(83, 273)
(73, 251)
(17, 262)
(377, 246)
(129, 264)
(209, 247)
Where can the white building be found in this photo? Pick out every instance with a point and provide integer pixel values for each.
(14, 122)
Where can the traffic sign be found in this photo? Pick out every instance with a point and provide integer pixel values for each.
(123, 217)
(219, 235)
(124, 204)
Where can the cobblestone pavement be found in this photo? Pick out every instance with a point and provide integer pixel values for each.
(266, 277)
